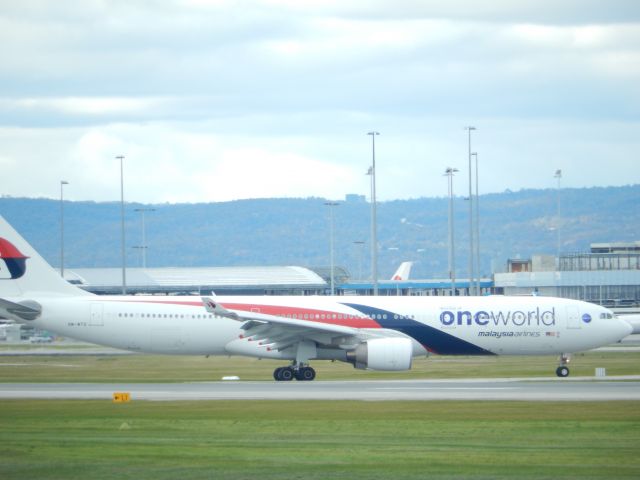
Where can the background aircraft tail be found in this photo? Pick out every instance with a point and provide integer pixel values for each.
(403, 272)
(24, 272)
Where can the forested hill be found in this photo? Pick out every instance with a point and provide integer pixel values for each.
(296, 231)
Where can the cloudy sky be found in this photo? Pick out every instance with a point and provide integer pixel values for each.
(213, 100)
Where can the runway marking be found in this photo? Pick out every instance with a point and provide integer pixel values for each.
(39, 365)
(365, 391)
(446, 388)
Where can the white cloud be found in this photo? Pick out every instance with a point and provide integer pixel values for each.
(258, 173)
(276, 96)
(87, 105)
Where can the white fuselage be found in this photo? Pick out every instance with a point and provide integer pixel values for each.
(445, 325)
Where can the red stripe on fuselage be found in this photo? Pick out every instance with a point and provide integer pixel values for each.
(310, 314)
(285, 311)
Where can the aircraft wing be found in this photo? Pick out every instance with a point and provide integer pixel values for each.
(278, 333)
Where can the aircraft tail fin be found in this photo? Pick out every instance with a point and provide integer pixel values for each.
(403, 272)
(23, 271)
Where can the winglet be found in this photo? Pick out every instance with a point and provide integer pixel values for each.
(217, 309)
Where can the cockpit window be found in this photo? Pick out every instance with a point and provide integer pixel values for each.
(606, 315)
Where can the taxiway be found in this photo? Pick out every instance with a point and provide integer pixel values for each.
(576, 389)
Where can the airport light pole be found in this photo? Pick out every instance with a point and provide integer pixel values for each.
(374, 226)
(558, 176)
(449, 172)
(331, 249)
(143, 247)
(124, 254)
(471, 276)
(477, 227)
(360, 243)
(62, 184)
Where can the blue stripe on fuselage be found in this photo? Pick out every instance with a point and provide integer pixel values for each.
(431, 338)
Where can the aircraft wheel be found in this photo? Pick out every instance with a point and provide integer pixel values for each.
(562, 371)
(305, 374)
(308, 374)
(283, 374)
(286, 374)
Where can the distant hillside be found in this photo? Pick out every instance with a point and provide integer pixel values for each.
(296, 231)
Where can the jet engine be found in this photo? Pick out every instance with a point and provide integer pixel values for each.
(390, 354)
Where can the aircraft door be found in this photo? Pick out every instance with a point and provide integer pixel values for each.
(573, 317)
(97, 315)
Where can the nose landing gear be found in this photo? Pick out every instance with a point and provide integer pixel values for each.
(563, 370)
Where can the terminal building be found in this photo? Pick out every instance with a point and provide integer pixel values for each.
(429, 287)
(609, 274)
(289, 280)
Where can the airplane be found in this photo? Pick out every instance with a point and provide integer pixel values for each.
(377, 333)
(403, 272)
(632, 319)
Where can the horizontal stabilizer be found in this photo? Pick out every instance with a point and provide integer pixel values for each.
(25, 310)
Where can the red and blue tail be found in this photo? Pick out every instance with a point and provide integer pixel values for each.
(24, 272)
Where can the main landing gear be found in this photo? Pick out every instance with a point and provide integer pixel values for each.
(299, 369)
(299, 372)
(563, 370)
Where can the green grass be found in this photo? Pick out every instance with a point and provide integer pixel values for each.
(157, 368)
(318, 440)
(312, 439)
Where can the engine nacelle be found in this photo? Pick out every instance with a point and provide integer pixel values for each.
(390, 354)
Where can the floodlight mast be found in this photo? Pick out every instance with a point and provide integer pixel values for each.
(124, 261)
(374, 226)
(449, 172)
(471, 249)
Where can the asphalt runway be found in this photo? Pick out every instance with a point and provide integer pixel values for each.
(576, 389)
